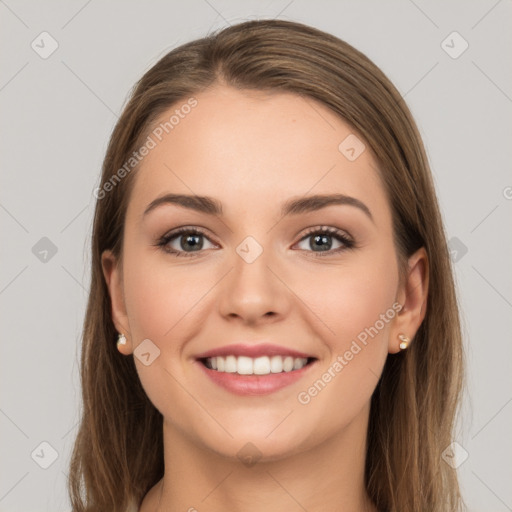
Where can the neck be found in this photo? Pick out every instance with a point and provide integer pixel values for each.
(329, 477)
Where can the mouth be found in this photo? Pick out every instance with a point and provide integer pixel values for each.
(254, 369)
(262, 365)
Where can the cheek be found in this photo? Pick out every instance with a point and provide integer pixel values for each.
(355, 304)
(159, 296)
(351, 298)
(161, 302)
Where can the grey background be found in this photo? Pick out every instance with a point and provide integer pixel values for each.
(57, 115)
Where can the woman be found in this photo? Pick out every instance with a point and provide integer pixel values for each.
(272, 321)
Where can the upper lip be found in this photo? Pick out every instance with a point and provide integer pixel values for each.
(252, 350)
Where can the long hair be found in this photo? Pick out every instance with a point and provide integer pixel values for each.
(118, 453)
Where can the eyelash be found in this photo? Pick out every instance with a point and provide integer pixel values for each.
(335, 233)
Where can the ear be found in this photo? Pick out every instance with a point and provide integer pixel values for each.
(412, 295)
(114, 280)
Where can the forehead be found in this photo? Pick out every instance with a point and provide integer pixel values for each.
(253, 149)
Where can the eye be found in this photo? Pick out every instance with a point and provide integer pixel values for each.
(184, 242)
(322, 239)
(187, 241)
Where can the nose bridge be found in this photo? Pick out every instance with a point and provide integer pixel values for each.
(252, 289)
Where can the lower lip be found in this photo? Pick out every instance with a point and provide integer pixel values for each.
(254, 384)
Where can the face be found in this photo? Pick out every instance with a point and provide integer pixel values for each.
(318, 280)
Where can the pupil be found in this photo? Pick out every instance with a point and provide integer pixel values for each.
(194, 245)
(324, 239)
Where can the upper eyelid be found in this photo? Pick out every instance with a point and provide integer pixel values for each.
(188, 229)
(329, 229)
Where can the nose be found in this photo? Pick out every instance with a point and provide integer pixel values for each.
(254, 292)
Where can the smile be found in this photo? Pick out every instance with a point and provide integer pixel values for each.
(263, 365)
(257, 368)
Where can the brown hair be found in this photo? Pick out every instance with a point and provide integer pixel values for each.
(118, 453)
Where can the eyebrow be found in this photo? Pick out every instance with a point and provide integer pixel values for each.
(211, 206)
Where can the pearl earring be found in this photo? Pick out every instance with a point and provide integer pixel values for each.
(121, 340)
(404, 341)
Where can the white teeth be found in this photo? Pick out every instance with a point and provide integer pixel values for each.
(243, 365)
(288, 364)
(297, 364)
(276, 364)
(263, 365)
(230, 364)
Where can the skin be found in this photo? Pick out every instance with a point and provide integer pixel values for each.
(252, 151)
